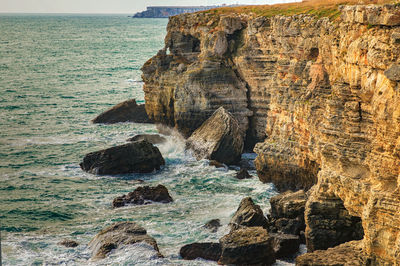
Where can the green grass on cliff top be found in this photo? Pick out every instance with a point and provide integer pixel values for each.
(318, 8)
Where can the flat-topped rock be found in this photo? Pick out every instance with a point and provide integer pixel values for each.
(135, 157)
(128, 111)
(207, 251)
(144, 195)
(218, 138)
(152, 138)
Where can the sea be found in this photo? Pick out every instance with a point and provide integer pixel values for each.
(57, 72)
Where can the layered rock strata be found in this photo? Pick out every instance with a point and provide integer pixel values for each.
(321, 97)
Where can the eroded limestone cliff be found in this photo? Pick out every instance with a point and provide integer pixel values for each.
(319, 97)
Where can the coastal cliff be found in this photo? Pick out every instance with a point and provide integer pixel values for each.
(318, 97)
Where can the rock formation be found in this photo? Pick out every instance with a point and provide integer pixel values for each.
(321, 97)
(144, 195)
(207, 251)
(128, 111)
(152, 138)
(135, 157)
(118, 234)
(243, 174)
(213, 225)
(248, 215)
(68, 243)
(218, 138)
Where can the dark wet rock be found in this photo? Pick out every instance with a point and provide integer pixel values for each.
(207, 251)
(68, 243)
(350, 253)
(247, 246)
(248, 214)
(247, 164)
(152, 138)
(118, 234)
(128, 111)
(218, 138)
(213, 225)
(287, 213)
(135, 157)
(144, 195)
(216, 164)
(243, 174)
(285, 245)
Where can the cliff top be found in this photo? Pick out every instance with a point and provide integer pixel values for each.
(318, 8)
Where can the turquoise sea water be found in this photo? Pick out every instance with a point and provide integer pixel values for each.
(57, 72)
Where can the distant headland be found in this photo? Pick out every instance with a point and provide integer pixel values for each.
(167, 11)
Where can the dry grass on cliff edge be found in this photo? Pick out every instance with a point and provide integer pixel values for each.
(318, 8)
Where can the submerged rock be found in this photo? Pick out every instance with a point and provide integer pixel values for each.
(128, 111)
(248, 214)
(243, 174)
(213, 225)
(247, 246)
(152, 138)
(218, 138)
(144, 195)
(135, 157)
(207, 251)
(216, 164)
(118, 234)
(68, 243)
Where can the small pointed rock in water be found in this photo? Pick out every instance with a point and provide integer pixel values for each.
(68, 243)
(248, 214)
(213, 225)
(243, 174)
(144, 195)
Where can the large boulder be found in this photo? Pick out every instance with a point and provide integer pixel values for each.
(218, 138)
(287, 213)
(135, 157)
(247, 246)
(144, 195)
(117, 235)
(128, 111)
(207, 251)
(152, 138)
(248, 214)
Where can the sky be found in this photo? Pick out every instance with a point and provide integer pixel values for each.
(109, 6)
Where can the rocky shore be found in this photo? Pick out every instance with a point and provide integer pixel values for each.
(317, 98)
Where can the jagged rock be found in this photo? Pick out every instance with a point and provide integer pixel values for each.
(311, 91)
(248, 215)
(68, 243)
(213, 225)
(219, 138)
(135, 157)
(207, 251)
(247, 246)
(118, 234)
(144, 195)
(347, 254)
(285, 245)
(127, 111)
(152, 138)
(216, 164)
(243, 174)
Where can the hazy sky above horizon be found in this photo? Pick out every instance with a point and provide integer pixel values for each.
(108, 6)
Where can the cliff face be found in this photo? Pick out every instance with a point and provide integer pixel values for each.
(321, 98)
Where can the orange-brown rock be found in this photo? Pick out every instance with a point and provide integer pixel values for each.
(321, 98)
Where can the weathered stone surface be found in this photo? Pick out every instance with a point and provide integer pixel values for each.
(317, 93)
(207, 251)
(152, 138)
(393, 72)
(285, 245)
(287, 213)
(348, 254)
(117, 234)
(144, 195)
(68, 243)
(127, 111)
(243, 174)
(135, 157)
(213, 225)
(248, 215)
(219, 138)
(247, 246)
